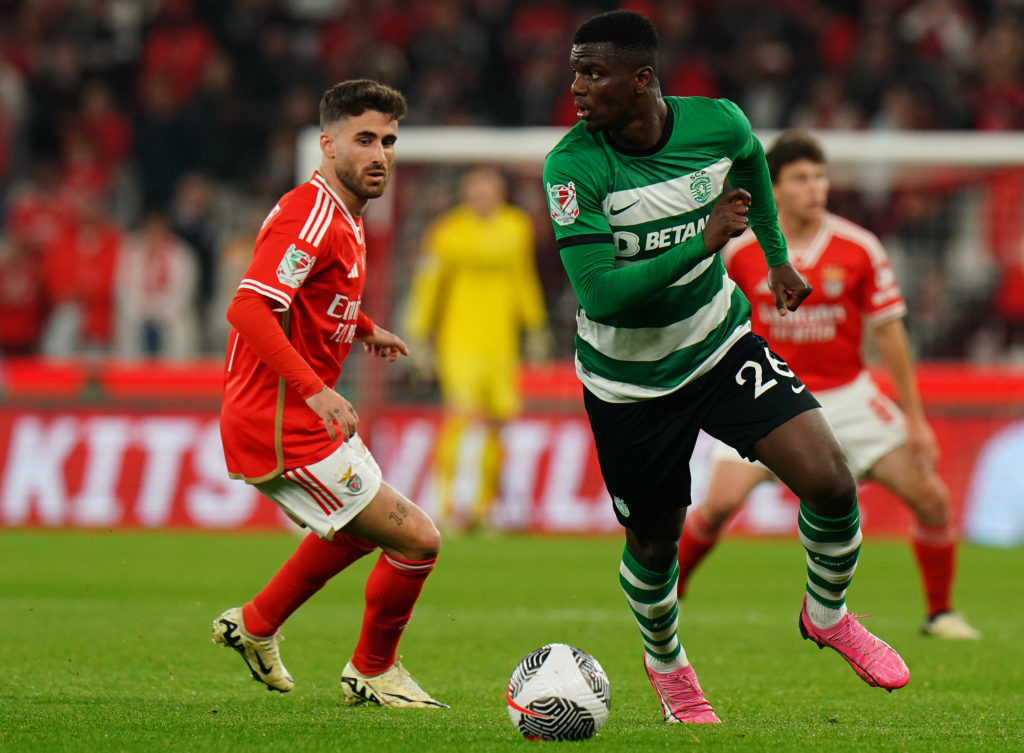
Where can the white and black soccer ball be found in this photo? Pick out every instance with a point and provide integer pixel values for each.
(558, 692)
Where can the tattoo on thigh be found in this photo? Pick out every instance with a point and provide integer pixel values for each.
(400, 513)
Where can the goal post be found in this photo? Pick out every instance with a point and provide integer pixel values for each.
(468, 144)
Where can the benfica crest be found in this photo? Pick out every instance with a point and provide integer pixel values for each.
(355, 484)
(833, 281)
(294, 266)
(562, 201)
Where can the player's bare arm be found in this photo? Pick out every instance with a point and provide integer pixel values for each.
(334, 409)
(788, 287)
(384, 344)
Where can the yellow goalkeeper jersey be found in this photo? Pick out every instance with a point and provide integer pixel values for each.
(476, 288)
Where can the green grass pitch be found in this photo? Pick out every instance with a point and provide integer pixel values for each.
(105, 646)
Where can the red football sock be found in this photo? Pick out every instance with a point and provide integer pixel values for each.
(935, 550)
(697, 540)
(391, 592)
(314, 563)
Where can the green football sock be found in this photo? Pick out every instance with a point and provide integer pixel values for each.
(833, 546)
(652, 599)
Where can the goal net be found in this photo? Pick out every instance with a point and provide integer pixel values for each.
(948, 207)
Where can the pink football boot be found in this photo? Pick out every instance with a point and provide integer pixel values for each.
(871, 658)
(681, 698)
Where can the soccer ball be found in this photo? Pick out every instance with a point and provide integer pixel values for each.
(558, 692)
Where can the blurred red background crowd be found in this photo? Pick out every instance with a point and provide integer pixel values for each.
(141, 142)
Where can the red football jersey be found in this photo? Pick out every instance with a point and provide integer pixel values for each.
(310, 261)
(853, 284)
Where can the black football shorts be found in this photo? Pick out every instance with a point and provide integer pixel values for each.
(644, 448)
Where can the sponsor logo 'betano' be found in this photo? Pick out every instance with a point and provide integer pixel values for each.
(675, 235)
(628, 243)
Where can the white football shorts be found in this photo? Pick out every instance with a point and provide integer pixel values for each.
(326, 495)
(868, 424)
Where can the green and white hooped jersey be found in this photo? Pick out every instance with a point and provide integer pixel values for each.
(638, 206)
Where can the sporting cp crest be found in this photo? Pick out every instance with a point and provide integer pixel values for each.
(562, 200)
(294, 266)
(700, 186)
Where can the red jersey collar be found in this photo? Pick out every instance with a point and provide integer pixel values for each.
(321, 182)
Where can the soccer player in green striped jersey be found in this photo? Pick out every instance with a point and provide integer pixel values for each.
(643, 192)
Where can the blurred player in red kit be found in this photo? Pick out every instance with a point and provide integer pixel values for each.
(855, 287)
(285, 430)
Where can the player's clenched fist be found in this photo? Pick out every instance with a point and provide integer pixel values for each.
(788, 287)
(728, 219)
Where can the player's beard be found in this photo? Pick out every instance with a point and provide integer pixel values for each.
(354, 180)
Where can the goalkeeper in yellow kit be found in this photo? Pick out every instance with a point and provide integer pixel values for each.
(477, 296)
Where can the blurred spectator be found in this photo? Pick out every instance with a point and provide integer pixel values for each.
(104, 125)
(826, 107)
(193, 219)
(129, 97)
(156, 280)
(225, 138)
(940, 30)
(763, 72)
(80, 264)
(176, 49)
(275, 70)
(164, 149)
(14, 112)
(448, 54)
(39, 207)
(23, 303)
(686, 68)
(999, 95)
(54, 86)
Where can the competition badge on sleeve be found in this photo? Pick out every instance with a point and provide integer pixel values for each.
(294, 266)
(562, 200)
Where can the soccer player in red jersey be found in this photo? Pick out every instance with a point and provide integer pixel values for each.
(285, 429)
(855, 287)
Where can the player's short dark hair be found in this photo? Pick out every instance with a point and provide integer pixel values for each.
(351, 98)
(793, 146)
(630, 33)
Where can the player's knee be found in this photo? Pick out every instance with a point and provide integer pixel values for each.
(715, 513)
(655, 553)
(425, 543)
(930, 503)
(833, 492)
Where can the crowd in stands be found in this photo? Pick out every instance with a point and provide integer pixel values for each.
(142, 141)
